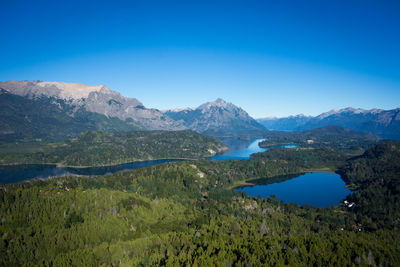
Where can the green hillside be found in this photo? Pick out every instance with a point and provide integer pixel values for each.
(103, 148)
(376, 177)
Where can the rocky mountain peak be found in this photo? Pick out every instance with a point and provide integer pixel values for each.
(218, 103)
(217, 117)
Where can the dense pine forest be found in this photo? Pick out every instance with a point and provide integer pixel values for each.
(375, 176)
(97, 148)
(186, 213)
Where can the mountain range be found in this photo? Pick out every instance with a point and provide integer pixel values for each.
(384, 123)
(55, 111)
(52, 111)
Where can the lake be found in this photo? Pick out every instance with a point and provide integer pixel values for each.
(239, 149)
(316, 188)
(242, 149)
(16, 173)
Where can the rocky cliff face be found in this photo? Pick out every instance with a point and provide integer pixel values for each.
(99, 99)
(216, 118)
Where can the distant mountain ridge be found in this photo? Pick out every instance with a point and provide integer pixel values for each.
(384, 123)
(284, 124)
(56, 110)
(216, 118)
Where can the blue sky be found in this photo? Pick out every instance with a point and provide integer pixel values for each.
(271, 59)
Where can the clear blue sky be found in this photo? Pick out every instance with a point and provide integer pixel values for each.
(272, 59)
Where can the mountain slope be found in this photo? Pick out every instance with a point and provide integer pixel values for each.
(385, 123)
(217, 118)
(50, 119)
(99, 99)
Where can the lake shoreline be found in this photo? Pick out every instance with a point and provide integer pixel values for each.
(320, 189)
(248, 182)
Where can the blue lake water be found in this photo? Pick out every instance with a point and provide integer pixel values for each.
(316, 189)
(239, 149)
(288, 146)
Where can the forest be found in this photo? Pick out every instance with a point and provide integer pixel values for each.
(186, 213)
(328, 136)
(375, 177)
(97, 148)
